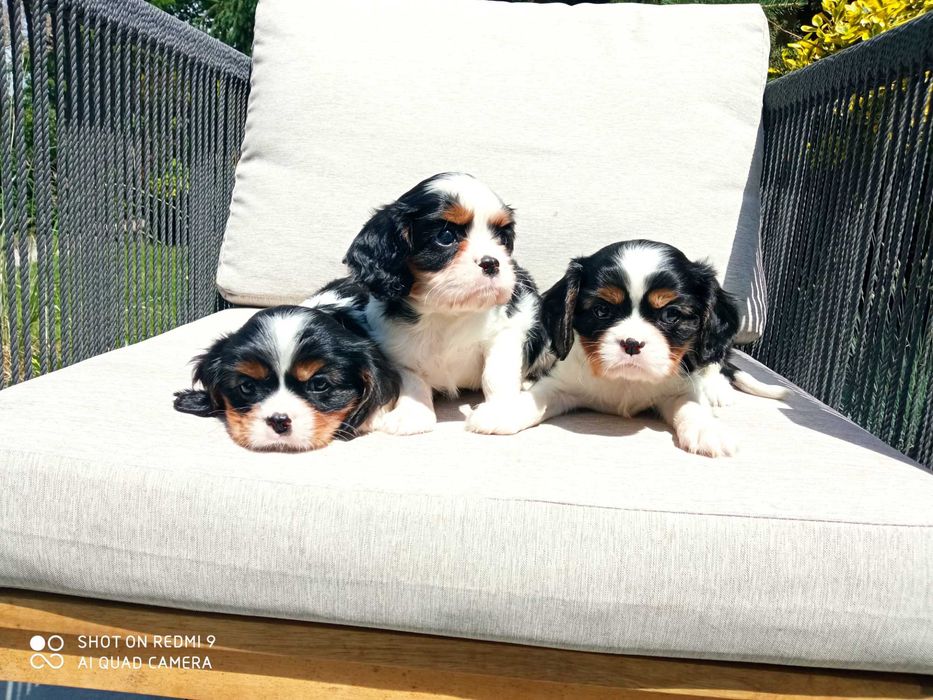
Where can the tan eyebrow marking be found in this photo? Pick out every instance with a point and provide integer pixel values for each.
(253, 369)
(501, 219)
(458, 214)
(660, 298)
(613, 295)
(304, 370)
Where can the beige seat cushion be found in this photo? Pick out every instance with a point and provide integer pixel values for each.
(596, 122)
(814, 546)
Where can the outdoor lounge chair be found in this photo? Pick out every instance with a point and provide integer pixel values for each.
(811, 551)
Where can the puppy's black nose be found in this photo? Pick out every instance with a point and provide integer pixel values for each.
(631, 346)
(490, 265)
(280, 423)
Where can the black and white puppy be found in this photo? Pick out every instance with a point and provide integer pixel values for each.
(293, 378)
(450, 306)
(635, 326)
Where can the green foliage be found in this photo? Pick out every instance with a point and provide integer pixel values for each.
(175, 180)
(840, 24)
(191, 11)
(231, 21)
(155, 269)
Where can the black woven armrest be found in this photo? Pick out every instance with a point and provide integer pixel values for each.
(119, 131)
(847, 234)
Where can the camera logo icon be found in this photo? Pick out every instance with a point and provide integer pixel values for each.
(40, 644)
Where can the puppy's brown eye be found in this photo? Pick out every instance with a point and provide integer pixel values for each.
(671, 314)
(446, 237)
(319, 384)
(247, 389)
(601, 310)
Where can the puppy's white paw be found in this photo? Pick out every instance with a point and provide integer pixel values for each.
(497, 418)
(407, 418)
(717, 390)
(706, 437)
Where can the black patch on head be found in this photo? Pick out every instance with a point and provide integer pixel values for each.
(411, 234)
(594, 314)
(378, 256)
(216, 369)
(506, 234)
(354, 373)
(703, 317)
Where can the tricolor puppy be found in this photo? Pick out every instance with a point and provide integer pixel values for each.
(293, 378)
(450, 306)
(635, 326)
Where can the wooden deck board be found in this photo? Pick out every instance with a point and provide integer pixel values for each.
(281, 658)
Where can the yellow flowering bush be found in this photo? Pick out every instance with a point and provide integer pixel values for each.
(841, 24)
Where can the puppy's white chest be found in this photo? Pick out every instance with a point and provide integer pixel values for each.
(447, 352)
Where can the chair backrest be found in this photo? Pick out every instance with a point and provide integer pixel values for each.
(596, 122)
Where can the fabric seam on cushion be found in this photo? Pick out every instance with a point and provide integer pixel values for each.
(468, 497)
(312, 576)
(257, 299)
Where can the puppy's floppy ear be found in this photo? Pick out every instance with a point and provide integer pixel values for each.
(558, 305)
(378, 255)
(195, 401)
(381, 385)
(719, 324)
(207, 370)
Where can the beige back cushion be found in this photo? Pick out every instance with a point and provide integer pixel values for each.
(596, 122)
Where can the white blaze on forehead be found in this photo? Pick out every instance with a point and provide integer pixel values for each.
(639, 262)
(470, 192)
(283, 332)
